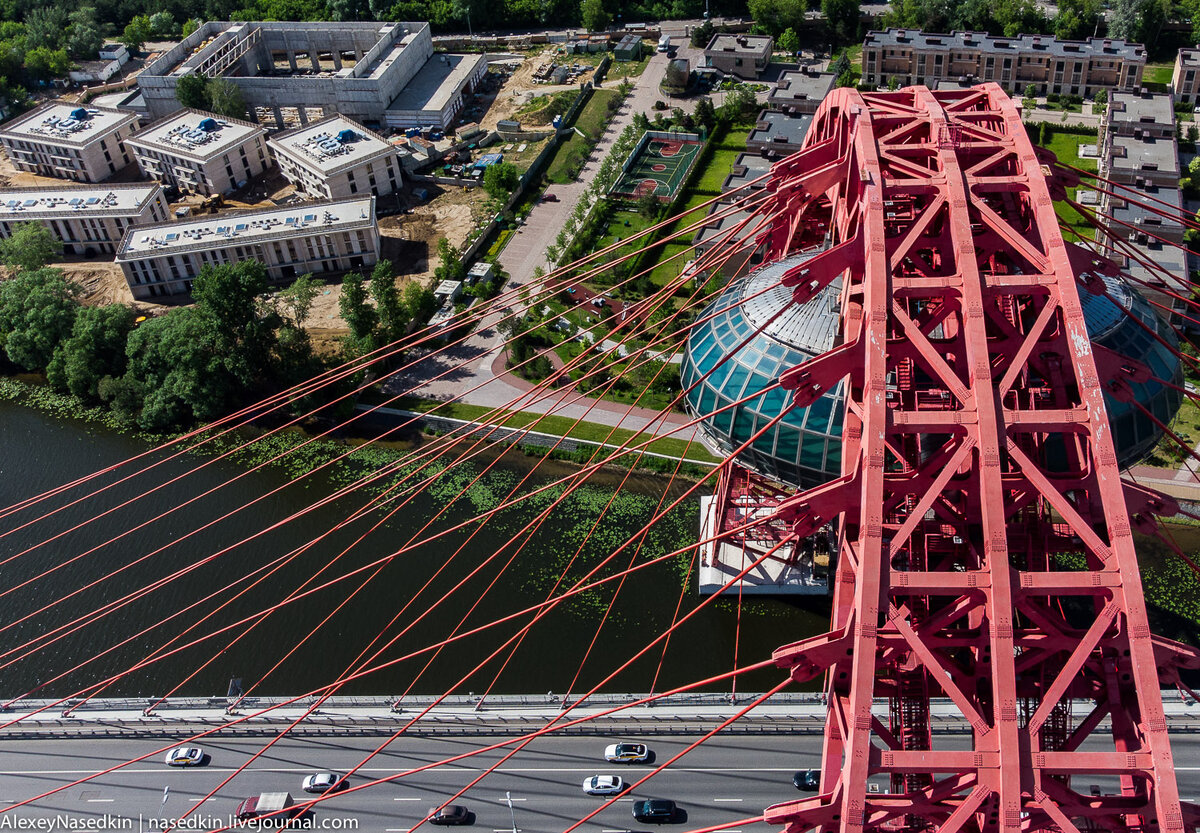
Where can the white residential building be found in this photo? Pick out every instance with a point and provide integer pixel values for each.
(85, 144)
(336, 157)
(88, 219)
(322, 238)
(201, 153)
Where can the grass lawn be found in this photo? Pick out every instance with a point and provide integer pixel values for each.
(1066, 147)
(626, 69)
(563, 426)
(1158, 73)
(592, 120)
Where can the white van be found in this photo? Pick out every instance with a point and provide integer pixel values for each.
(664, 43)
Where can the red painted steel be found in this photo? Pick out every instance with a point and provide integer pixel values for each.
(986, 553)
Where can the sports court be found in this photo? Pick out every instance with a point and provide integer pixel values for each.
(658, 165)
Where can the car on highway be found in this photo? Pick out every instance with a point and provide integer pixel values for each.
(185, 756)
(604, 785)
(323, 782)
(452, 814)
(627, 753)
(808, 780)
(655, 810)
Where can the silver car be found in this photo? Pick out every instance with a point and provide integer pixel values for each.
(604, 785)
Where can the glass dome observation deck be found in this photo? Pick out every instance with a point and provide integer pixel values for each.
(804, 448)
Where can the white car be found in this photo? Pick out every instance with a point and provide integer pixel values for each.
(185, 756)
(627, 753)
(604, 785)
(323, 782)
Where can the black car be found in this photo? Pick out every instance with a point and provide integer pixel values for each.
(657, 810)
(808, 780)
(452, 814)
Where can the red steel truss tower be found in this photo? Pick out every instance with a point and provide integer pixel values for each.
(985, 550)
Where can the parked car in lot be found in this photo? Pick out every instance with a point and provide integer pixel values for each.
(185, 756)
(452, 814)
(627, 753)
(655, 810)
(323, 782)
(808, 780)
(604, 785)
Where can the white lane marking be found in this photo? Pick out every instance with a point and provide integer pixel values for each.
(196, 800)
(511, 799)
(624, 799)
(440, 769)
(403, 799)
(101, 800)
(728, 799)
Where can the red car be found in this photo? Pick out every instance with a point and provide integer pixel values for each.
(549, 198)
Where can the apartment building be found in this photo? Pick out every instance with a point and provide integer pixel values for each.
(1047, 64)
(337, 157)
(65, 140)
(197, 152)
(778, 134)
(322, 238)
(801, 91)
(1185, 80)
(88, 219)
(745, 56)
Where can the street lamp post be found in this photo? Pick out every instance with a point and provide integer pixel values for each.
(511, 812)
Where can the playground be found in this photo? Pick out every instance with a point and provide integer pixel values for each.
(659, 165)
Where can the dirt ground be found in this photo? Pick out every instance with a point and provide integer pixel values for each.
(519, 88)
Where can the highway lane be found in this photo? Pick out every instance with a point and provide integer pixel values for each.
(724, 780)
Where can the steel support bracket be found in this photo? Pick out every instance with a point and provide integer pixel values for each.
(1090, 268)
(808, 658)
(812, 509)
(810, 277)
(1118, 373)
(810, 381)
(802, 815)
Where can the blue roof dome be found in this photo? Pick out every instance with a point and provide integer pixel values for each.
(804, 448)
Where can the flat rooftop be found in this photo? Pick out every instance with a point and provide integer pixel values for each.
(1140, 214)
(916, 39)
(723, 229)
(1169, 258)
(75, 200)
(802, 86)
(64, 123)
(747, 168)
(1146, 154)
(741, 44)
(331, 144)
(780, 128)
(240, 228)
(195, 134)
(1136, 108)
(437, 82)
(1189, 57)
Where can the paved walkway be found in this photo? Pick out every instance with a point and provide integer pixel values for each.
(482, 379)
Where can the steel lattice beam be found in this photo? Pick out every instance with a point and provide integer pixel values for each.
(986, 552)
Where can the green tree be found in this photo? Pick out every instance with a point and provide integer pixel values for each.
(739, 106)
(776, 16)
(225, 98)
(359, 316)
(702, 34)
(789, 41)
(501, 179)
(37, 312)
(94, 350)
(419, 301)
(842, 17)
(83, 39)
(1077, 19)
(451, 267)
(594, 16)
(30, 246)
(298, 298)
(190, 25)
(162, 24)
(389, 308)
(705, 114)
(44, 63)
(243, 329)
(648, 206)
(192, 91)
(45, 26)
(137, 32)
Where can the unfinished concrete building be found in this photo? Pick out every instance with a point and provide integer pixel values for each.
(310, 70)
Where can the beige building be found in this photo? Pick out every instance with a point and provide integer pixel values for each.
(322, 238)
(200, 153)
(1049, 65)
(745, 56)
(88, 219)
(336, 158)
(1185, 80)
(85, 144)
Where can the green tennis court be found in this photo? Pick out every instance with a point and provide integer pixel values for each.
(659, 168)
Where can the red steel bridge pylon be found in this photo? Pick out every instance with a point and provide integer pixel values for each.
(985, 548)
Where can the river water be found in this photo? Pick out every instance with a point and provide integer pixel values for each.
(95, 562)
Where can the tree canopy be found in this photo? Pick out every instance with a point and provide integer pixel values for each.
(37, 312)
(30, 246)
